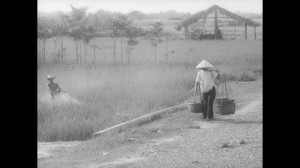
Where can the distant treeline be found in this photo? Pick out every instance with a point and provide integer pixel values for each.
(84, 27)
(138, 15)
(133, 15)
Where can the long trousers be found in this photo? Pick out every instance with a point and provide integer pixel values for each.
(207, 103)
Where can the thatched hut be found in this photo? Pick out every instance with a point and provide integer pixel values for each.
(221, 18)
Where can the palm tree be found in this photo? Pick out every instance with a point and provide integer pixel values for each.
(62, 31)
(77, 20)
(55, 27)
(154, 36)
(118, 26)
(132, 33)
(45, 31)
(167, 36)
(87, 35)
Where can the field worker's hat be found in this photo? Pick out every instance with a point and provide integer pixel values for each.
(50, 77)
(204, 64)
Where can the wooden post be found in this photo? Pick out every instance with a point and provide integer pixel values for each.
(216, 23)
(245, 30)
(255, 32)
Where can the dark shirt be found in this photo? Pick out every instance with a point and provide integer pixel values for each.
(54, 88)
(219, 34)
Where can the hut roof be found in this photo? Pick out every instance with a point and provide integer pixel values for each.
(204, 13)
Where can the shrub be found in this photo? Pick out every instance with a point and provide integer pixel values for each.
(246, 76)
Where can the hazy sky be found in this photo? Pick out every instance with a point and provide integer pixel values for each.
(148, 6)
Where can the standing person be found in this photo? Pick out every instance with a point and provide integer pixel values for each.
(219, 34)
(53, 87)
(206, 80)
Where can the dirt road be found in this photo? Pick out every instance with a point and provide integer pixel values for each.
(228, 141)
(234, 141)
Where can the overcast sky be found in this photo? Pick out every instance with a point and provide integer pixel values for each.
(149, 6)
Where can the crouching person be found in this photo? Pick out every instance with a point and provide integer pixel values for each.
(206, 80)
(53, 87)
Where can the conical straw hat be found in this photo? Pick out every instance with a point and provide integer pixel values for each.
(50, 77)
(204, 64)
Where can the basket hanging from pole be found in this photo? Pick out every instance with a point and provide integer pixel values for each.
(224, 105)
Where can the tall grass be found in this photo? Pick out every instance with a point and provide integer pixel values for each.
(110, 95)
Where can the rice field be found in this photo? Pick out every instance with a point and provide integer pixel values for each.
(106, 94)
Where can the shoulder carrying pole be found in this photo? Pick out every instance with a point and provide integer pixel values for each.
(226, 89)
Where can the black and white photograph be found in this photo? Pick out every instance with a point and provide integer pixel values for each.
(149, 83)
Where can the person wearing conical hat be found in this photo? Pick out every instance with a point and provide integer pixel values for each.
(206, 80)
(53, 87)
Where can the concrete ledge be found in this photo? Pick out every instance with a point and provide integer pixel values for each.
(139, 120)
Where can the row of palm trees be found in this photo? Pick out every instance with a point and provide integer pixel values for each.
(83, 27)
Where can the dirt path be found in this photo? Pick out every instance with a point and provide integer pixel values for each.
(46, 149)
(229, 141)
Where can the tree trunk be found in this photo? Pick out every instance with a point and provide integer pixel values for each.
(54, 46)
(80, 51)
(126, 54)
(129, 50)
(76, 42)
(129, 54)
(76, 51)
(155, 53)
(44, 53)
(122, 51)
(55, 51)
(114, 50)
(184, 33)
(104, 55)
(39, 46)
(85, 53)
(42, 50)
(166, 51)
(254, 32)
(61, 50)
(246, 31)
(235, 31)
(94, 56)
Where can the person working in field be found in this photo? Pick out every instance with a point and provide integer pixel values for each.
(206, 80)
(53, 87)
